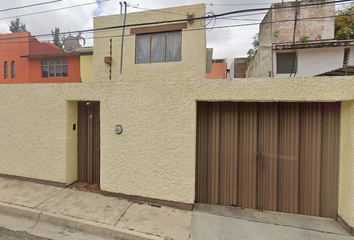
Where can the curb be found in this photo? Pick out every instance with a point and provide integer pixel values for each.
(19, 211)
(75, 224)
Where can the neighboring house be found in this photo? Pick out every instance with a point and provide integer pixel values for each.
(26, 60)
(164, 51)
(317, 53)
(315, 58)
(218, 69)
(86, 63)
(238, 68)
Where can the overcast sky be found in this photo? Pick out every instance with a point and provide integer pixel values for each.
(228, 42)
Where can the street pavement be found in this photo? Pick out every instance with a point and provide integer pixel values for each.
(62, 213)
(6, 234)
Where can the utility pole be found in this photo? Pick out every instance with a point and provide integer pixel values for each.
(121, 50)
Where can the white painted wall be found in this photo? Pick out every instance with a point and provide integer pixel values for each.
(317, 60)
(351, 56)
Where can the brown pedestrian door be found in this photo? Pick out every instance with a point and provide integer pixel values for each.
(272, 156)
(89, 142)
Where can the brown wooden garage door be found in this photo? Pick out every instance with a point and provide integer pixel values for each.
(272, 156)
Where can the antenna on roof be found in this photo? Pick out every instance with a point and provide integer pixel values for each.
(71, 43)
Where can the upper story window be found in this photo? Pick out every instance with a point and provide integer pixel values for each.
(55, 68)
(286, 63)
(13, 69)
(159, 47)
(6, 70)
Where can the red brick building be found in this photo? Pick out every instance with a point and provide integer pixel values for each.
(238, 68)
(23, 59)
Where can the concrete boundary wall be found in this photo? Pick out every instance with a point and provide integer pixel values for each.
(154, 157)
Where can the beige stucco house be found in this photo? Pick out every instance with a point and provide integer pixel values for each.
(176, 139)
(161, 51)
(86, 63)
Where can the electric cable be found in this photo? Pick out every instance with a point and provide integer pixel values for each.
(155, 10)
(27, 6)
(293, 50)
(180, 20)
(209, 21)
(52, 10)
(235, 4)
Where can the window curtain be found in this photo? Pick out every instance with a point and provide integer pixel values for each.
(142, 48)
(158, 47)
(174, 40)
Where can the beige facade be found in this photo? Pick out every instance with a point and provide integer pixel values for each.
(155, 155)
(86, 68)
(261, 66)
(193, 53)
(346, 193)
(86, 64)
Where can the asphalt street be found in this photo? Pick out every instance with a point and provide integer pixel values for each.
(6, 234)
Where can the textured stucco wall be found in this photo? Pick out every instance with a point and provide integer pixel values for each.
(265, 30)
(155, 155)
(346, 170)
(192, 65)
(32, 130)
(86, 68)
(261, 64)
(71, 142)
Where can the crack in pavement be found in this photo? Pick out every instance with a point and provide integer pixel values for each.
(123, 213)
(32, 228)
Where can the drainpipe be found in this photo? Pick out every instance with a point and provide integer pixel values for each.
(121, 50)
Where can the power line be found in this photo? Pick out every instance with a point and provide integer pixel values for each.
(156, 10)
(216, 15)
(186, 30)
(235, 4)
(57, 9)
(247, 15)
(197, 18)
(342, 2)
(27, 6)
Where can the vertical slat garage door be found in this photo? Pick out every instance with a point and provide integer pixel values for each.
(272, 156)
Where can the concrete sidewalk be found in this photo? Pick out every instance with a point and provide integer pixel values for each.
(41, 210)
(59, 213)
(230, 223)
